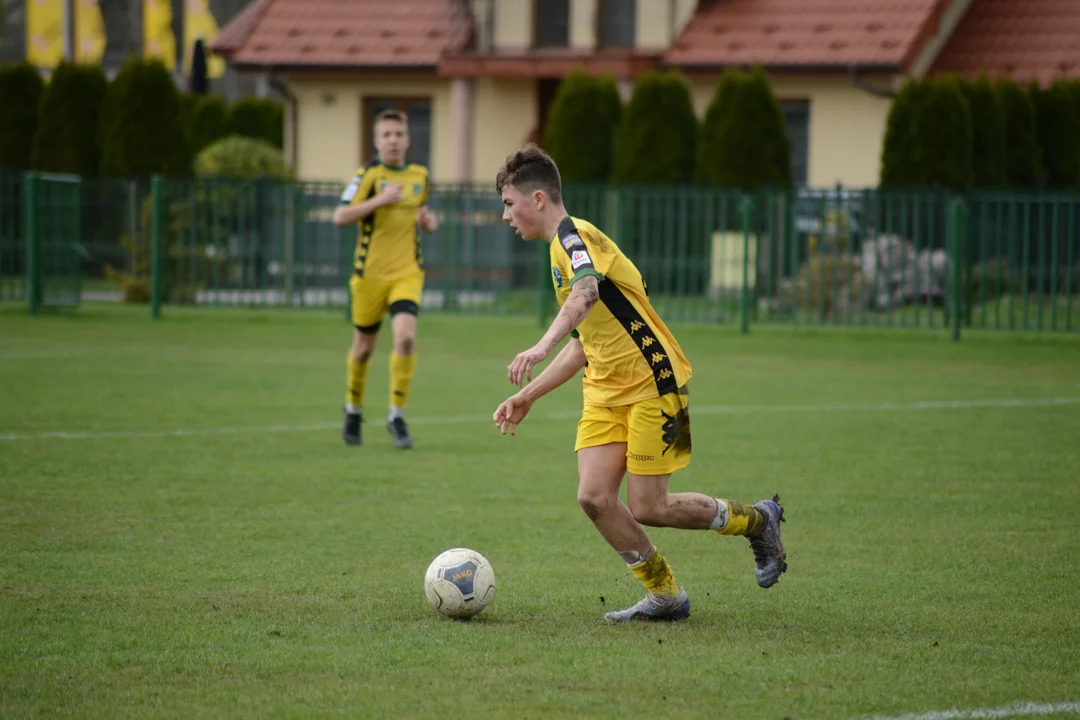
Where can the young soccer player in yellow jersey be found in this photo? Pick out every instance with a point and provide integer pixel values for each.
(636, 419)
(388, 201)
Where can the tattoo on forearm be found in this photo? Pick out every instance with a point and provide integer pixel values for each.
(577, 306)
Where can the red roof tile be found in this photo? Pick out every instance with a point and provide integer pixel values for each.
(346, 33)
(807, 33)
(1030, 40)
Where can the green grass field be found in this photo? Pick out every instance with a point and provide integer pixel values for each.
(185, 535)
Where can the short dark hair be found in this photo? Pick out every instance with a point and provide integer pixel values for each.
(391, 114)
(528, 169)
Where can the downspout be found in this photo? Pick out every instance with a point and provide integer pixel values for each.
(282, 89)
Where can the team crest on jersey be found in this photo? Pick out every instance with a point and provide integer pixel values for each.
(571, 241)
(417, 188)
(557, 274)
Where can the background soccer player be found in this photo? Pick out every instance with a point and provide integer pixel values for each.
(635, 420)
(387, 199)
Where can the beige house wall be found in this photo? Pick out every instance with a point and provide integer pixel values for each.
(513, 24)
(659, 22)
(330, 117)
(504, 113)
(846, 125)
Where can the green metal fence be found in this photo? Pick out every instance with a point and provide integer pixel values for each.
(41, 248)
(916, 259)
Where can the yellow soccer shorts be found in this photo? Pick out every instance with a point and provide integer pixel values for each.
(656, 432)
(372, 298)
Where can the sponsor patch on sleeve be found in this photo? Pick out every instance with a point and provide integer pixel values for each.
(572, 241)
(350, 192)
(580, 259)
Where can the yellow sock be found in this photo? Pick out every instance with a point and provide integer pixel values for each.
(401, 375)
(655, 574)
(741, 519)
(356, 380)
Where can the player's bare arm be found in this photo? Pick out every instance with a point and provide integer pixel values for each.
(349, 214)
(566, 365)
(582, 299)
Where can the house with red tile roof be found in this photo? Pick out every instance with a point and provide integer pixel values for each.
(476, 76)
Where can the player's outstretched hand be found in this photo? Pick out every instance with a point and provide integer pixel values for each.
(426, 219)
(520, 371)
(510, 414)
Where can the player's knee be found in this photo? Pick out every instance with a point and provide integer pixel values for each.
(595, 504)
(362, 348)
(648, 513)
(405, 345)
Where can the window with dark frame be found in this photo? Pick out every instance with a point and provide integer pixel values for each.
(552, 23)
(418, 111)
(797, 121)
(618, 23)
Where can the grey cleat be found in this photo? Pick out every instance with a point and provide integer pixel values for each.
(770, 560)
(654, 607)
(398, 429)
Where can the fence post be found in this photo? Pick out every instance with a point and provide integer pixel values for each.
(32, 242)
(956, 209)
(746, 204)
(458, 215)
(155, 246)
(288, 228)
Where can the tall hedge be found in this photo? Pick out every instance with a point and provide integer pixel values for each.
(580, 132)
(208, 122)
(656, 140)
(67, 139)
(944, 131)
(929, 136)
(1058, 126)
(744, 141)
(901, 154)
(21, 88)
(990, 163)
(141, 126)
(258, 118)
(1025, 164)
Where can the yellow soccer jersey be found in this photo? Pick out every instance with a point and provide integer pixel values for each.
(632, 355)
(388, 240)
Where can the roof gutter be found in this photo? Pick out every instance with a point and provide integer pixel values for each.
(858, 82)
(290, 100)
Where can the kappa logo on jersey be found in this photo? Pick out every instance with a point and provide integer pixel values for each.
(579, 258)
(572, 241)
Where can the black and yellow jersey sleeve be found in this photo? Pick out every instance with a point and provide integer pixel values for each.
(361, 187)
(631, 353)
(584, 252)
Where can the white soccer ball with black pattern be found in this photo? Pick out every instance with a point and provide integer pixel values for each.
(459, 583)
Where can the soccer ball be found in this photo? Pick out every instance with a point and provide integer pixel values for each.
(459, 583)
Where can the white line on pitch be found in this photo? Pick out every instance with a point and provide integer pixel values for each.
(461, 419)
(1010, 711)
